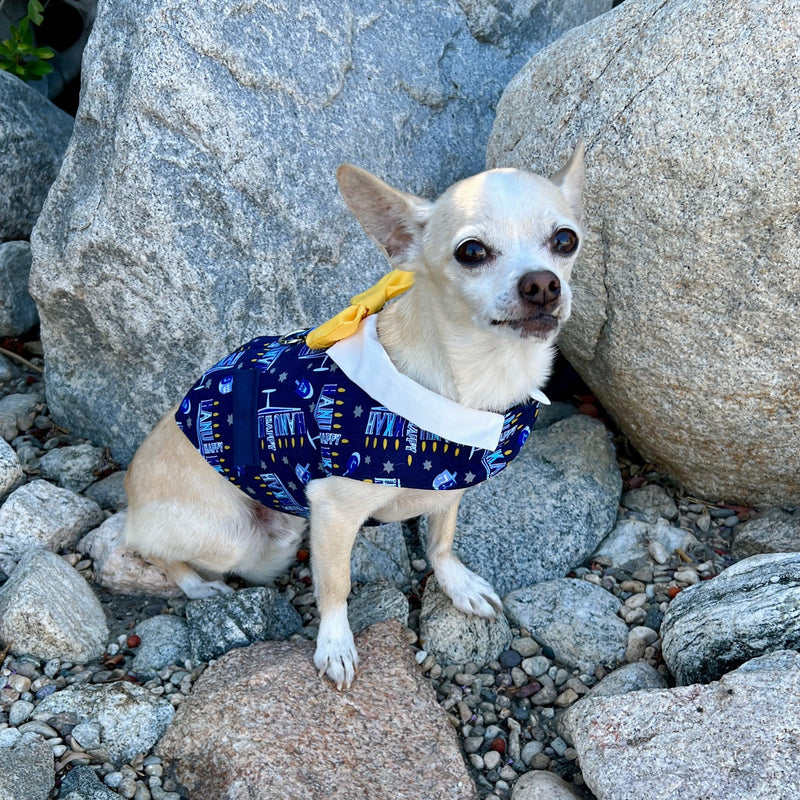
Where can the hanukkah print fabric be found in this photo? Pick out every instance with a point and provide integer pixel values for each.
(275, 414)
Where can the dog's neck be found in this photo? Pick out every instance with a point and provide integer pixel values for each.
(474, 367)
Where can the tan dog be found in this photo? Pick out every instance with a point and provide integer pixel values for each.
(492, 259)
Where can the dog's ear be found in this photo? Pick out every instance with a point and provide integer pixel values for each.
(393, 219)
(570, 179)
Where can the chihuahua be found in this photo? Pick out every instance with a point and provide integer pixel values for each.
(363, 430)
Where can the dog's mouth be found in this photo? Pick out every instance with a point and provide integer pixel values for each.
(537, 325)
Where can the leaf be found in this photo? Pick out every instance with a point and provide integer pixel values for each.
(42, 52)
(39, 69)
(35, 9)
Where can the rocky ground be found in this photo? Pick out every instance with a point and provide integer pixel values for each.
(508, 711)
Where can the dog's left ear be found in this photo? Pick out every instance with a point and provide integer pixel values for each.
(570, 179)
(393, 219)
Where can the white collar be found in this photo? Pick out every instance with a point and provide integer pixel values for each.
(362, 358)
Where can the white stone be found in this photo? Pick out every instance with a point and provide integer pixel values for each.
(119, 569)
(41, 515)
(10, 468)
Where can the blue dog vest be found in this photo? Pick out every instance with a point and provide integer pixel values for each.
(274, 415)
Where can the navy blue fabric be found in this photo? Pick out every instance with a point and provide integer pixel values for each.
(272, 416)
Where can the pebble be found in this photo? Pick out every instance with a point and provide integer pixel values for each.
(658, 552)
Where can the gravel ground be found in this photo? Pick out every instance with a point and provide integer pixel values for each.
(505, 712)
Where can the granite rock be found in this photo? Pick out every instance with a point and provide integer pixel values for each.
(775, 530)
(17, 413)
(47, 609)
(375, 603)
(455, 638)
(689, 282)
(728, 740)
(39, 514)
(164, 641)
(749, 609)
(380, 553)
(72, 467)
(119, 569)
(185, 222)
(577, 619)
(10, 468)
(33, 137)
(628, 543)
(130, 718)
(218, 624)
(378, 728)
(547, 511)
(26, 768)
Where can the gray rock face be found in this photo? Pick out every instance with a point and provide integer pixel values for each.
(39, 514)
(683, 322)
(546, 512)
(33, 137)
(380, 553)
(142, 259)
(47, 609)
(732, 739)
(218, 624)
(750, 609)
(651, 501)
(628, 543)
(165, 641)
(772, 531)
(10, 468)
(109, 492)
(379, 727)
(17, 309)
(376, 603)
(26, 768)
(72, 467)
(576, 619)
(455, 638)
(82, 783)
(17, 413)
(131, 719)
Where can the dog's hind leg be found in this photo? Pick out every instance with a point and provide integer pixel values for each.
(193, 585)
(469, 592)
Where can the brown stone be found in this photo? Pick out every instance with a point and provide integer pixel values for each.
(260, 723)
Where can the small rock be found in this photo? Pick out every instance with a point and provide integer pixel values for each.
(380, 553)
(48, 609)
(109, 493)
(40, 515)
(749, 609)
(10, 468)
(652, 501)
(119, 569)
(538, 785)
(17, 413)
(455, 638)
(163, 640)
(72, 467)
(130, 719)
(576, 619)
(82, 783)
(377, 602)
(658, 552)
(19, 712)
(17, 309)
(257, 614)
(629, 543)
(772, 531)
(26, 767)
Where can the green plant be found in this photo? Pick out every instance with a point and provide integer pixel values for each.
(19, 54)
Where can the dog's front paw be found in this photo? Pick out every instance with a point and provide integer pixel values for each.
(336, 655)
(470, 593)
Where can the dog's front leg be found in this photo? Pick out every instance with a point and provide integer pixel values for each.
(334, 526)
(469, 592)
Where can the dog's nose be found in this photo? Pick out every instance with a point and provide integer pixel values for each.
(540, 288)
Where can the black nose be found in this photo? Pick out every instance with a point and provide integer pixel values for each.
(540, 288)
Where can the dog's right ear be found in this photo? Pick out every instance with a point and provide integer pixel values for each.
(393, 219)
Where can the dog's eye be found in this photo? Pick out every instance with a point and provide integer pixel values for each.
(471, 252)
(564, 241)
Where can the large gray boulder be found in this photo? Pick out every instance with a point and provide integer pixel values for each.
(546, 512)
(688, 290)
(729, 740)
(33, 137)
(197, 205)
(749, 609)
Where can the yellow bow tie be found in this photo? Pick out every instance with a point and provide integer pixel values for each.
(346, 322)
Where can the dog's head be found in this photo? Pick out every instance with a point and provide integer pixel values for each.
(496, 249)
